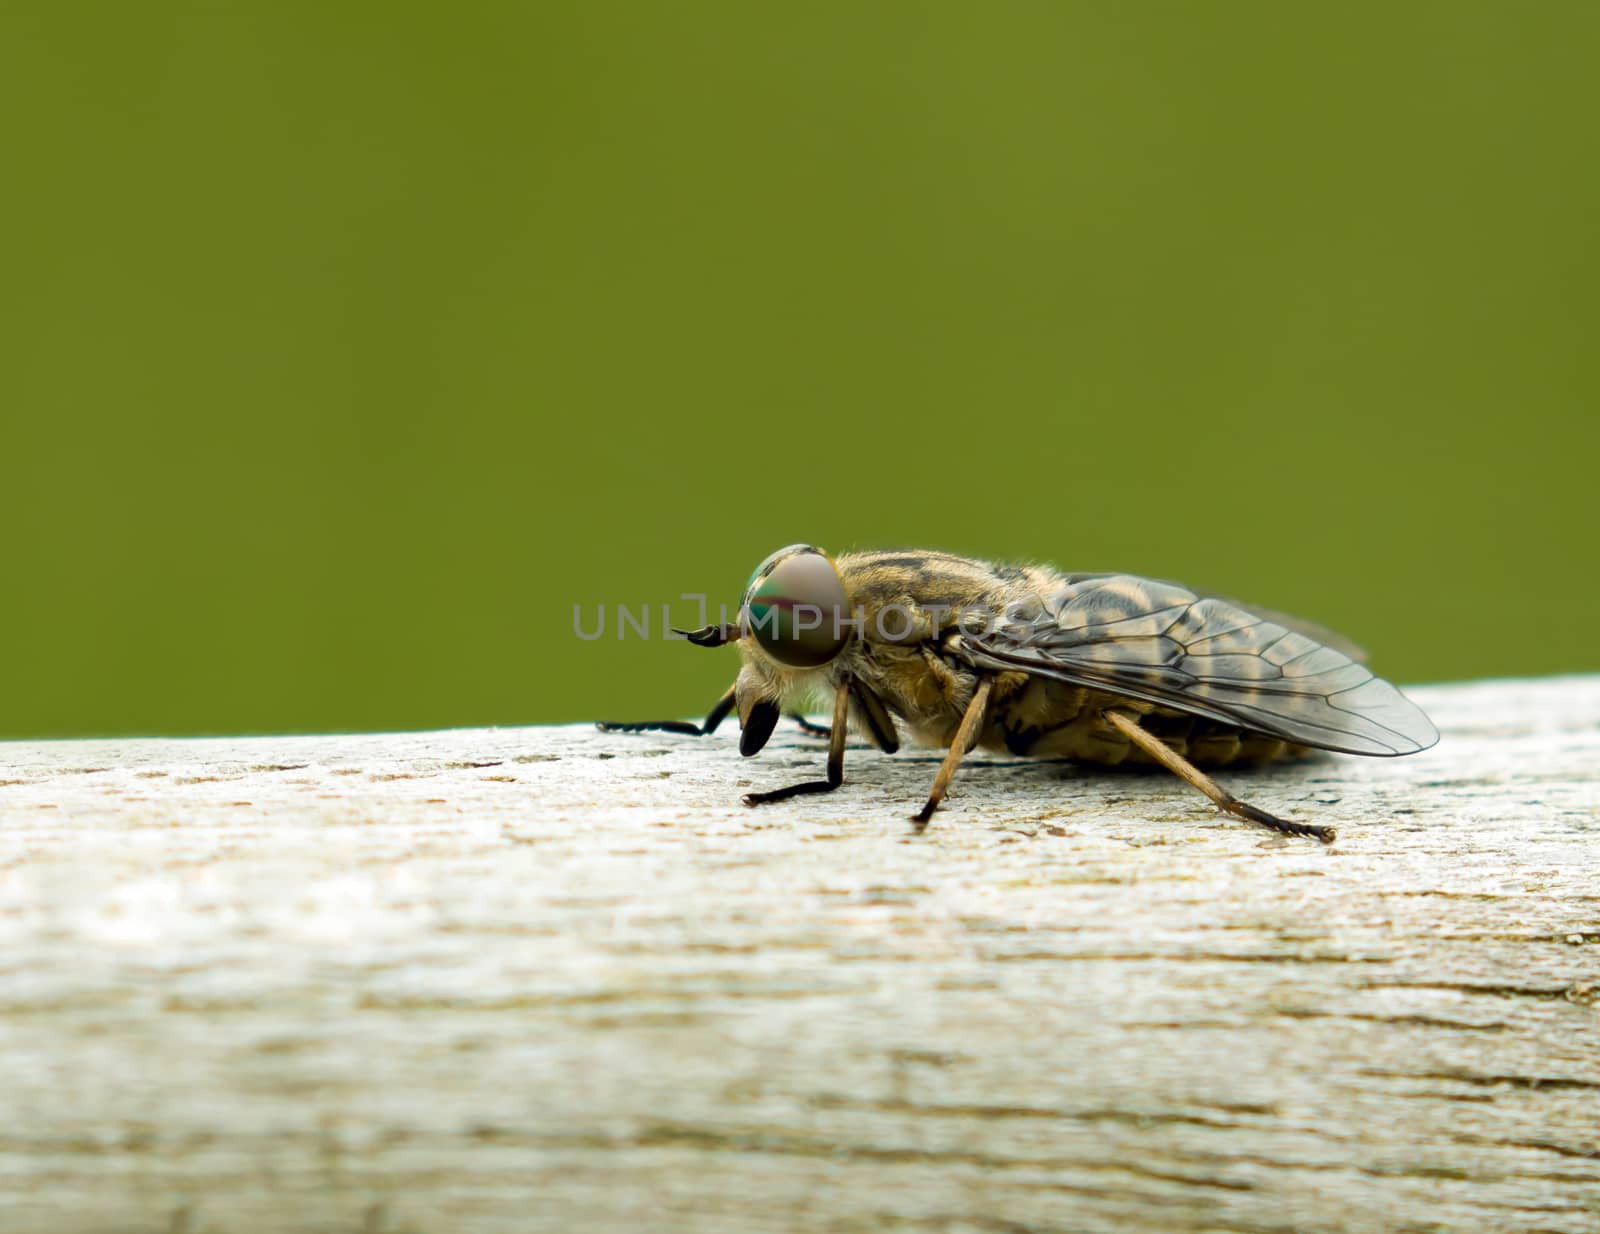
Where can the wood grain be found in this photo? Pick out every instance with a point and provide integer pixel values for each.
(552, 979)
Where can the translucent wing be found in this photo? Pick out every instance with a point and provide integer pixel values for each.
(1315, 631)
(1165, 644)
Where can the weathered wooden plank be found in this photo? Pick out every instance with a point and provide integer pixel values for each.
(548, 978)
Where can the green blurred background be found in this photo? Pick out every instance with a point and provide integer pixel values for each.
(346, 348)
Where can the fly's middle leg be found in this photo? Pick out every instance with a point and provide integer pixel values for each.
(966, 737)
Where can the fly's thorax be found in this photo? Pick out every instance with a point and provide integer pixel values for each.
(911, 607)
(908, 597)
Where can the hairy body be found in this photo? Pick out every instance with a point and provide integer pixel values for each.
(923, 678)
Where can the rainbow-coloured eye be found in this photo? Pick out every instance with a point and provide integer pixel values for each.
(797, 608)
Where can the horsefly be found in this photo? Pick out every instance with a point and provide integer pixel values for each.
(1100, 668)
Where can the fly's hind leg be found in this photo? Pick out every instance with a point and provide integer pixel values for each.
(836, 737)
(715, 717)
(1190, 774)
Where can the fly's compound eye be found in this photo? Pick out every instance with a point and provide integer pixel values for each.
(797, 608)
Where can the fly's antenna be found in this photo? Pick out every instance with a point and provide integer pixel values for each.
(711, 636)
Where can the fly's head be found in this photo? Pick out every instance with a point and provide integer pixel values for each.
(795, 623)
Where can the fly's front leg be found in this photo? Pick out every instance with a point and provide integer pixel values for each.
(715, 717)
(841, 715)
(1190, 774)
(966, 737)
